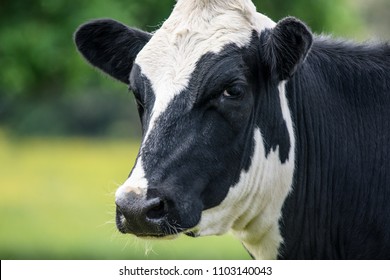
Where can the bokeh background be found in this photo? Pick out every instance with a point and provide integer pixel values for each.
(69, 135)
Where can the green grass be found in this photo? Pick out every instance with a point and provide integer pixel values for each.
(57, 202)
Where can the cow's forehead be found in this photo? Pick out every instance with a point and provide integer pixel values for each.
(170, 57)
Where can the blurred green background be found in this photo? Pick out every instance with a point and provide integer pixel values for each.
(69, 135)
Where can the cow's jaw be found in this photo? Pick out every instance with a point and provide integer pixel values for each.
(252, 208)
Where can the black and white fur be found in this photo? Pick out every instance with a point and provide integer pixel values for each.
(255, 127)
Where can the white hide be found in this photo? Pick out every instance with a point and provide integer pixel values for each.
(136, 183)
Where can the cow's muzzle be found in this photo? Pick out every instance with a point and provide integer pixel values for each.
(143, 217)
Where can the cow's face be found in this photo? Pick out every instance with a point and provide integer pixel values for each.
(217, 134)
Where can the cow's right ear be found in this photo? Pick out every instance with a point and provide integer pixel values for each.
(110, 46)
(287, 47)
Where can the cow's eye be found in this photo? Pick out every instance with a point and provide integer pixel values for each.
(233, 93)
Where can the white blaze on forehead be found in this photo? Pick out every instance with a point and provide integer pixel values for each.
(194, 29)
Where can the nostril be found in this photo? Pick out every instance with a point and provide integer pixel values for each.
(157, 210)
(118, 209)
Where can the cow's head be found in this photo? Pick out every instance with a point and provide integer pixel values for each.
(218, 145)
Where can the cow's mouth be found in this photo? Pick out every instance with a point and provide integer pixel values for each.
(191, 233)
(150, 229)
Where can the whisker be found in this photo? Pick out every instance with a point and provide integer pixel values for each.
(149, 248)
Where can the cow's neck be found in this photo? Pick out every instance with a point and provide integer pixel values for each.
(335, 118)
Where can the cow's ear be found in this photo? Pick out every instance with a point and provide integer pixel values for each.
(110, 46)
(287, 46)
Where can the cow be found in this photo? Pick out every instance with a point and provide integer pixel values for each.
(253, 126)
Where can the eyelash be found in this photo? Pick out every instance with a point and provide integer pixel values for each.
(140, 104)
(233, 92)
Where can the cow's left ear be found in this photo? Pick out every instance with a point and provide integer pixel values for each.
(287, 46)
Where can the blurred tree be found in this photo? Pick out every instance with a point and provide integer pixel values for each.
(338, 17)
(377, 16)
(150, 14)
(40, 63)
(39, 59)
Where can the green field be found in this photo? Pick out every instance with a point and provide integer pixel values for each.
(57, 202)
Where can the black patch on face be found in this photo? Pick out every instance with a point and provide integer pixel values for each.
(203, 141)
(144, 95)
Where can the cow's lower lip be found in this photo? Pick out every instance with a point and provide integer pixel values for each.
(172, 233)
(151, 235)
(125, 230)
(167, 236)
(191, 234)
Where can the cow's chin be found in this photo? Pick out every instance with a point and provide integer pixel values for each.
(190, 233)
(154, 236)
(158, 237)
